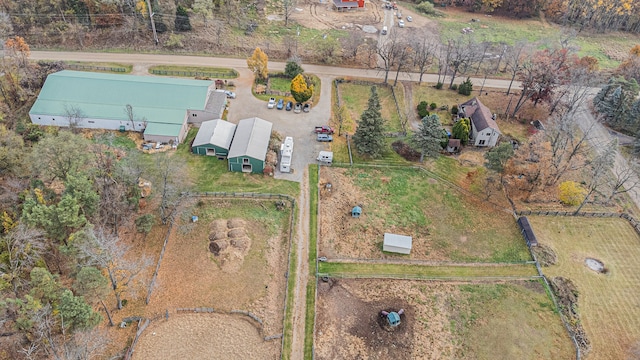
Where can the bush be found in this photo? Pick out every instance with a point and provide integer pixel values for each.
(439, 85)
(454, 110)
(174, 41)
(406, 151)
(466, 87)
(292, 69)
(144, 223)
(422, 109)
(426, 7)
(433, 106)
(454, 87)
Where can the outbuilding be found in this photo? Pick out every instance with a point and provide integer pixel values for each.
(157, 106)
(249, 147)
(214, 138)
(400, 244)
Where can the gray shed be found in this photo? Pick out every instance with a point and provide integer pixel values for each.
(397, 243)
(214, 138)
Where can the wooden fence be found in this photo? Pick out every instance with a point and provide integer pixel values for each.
(116, 69)
(202, 74)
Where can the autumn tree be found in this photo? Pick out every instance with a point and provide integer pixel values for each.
(18, 48)
(571, 193)
(388, 52)
(257, 63)
(428, 137)
(11, 152)
(300, 91)
(600, 171)
(461, 130)
(21, 248)
(630, 67)
(369, 136)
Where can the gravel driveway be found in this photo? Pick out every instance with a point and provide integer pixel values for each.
(299, 126)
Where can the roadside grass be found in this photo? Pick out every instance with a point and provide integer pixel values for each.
(309, 323)
(607, 303)
(108, 67)
(191, 71)
(308, 38)
(210, 174)
(459, 227)
(412, 271)
(514, 320)
(291, 285)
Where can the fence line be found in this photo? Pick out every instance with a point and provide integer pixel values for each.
(402, 123)
(423, 277)
(221, 75)
(96, 68)
(135, 339)
(155, 273)
(630, 219)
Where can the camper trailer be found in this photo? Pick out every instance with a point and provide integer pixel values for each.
(325, 157)
(286, 152)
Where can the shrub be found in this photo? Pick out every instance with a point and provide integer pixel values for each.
(406, 151)
(571, 193)
(426, 7)
(439, 85)
(454, 110)
(433, 106)
(466, 87)
(144, 223)
(174, 41)
(422, 109)
(454, 87)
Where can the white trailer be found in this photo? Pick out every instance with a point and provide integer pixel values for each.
(286, 153)
(325, 157)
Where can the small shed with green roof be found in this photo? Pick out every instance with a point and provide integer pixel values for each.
(248, 150)
(214, 138)
(157, 106)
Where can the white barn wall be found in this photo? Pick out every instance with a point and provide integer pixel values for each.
(87, 123)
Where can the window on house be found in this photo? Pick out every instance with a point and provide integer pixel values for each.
(38, 117)
(481, 142)
(91, 122)
(194, 115)
(245, 161)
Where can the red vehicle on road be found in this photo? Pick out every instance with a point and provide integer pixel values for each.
(324, 130)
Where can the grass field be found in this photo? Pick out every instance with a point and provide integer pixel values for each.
(608, 304)
(451, 225)
(355, 98)
(426, 272)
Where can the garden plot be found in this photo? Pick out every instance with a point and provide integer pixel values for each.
(512, 320)
(600, 257)
(446, 224)
(233, 258)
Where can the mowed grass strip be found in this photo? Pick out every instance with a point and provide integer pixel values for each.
(608, 304)
(313, 240)
(428, 271)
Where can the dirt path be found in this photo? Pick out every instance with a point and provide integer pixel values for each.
(302, 270)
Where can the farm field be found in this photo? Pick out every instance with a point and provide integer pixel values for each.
(233, 258)
(511, 320)
(446, 224)
(608, 303)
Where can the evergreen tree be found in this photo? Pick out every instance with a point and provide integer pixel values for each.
(466, 87)
(615, 101)
(182, 22)
(76, 313)
(369, 136)
(498, 156)
(428, 138)
(461, 130)
(293, 69)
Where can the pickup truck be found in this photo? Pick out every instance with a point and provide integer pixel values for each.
(324, 130)
(324, 137)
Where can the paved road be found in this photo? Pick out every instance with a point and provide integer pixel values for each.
(299, 126)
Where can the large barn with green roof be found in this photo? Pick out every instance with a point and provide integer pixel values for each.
(159, 107)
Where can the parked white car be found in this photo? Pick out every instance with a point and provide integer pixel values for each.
(409, 19)
(230, 94)
(401, 23)
(272, 103)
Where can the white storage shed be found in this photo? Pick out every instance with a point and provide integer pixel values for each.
(400, 244)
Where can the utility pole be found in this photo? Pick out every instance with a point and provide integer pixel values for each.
(153, 23)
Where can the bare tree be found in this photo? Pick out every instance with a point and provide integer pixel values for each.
(287, 10)
(402, 59)
(76, 117)
(600, 167)
(461, 54)
(388, 51)
(170, 181)
(625, 180)
(424, 48)
(22, 248)
(86, 345)
(351, 44)
(105, 251)
(514, 57)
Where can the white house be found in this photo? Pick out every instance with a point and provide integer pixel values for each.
(484, 129)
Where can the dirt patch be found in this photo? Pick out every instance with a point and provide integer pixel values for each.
(203, 336)
(595, 265)
(545, 255)
(567, 294)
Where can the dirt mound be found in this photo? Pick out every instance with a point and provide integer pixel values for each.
(567, 294)
(545, 255)
(229, 243)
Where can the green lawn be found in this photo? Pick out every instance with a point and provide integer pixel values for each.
(426, 271)
(456, 226)
(313, 241)
(355, 98)
(210, 174)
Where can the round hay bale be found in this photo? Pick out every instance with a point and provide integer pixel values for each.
(236, 233)
(214, 248)
(218, 225)
(235, 223)
(240, 243)
(217, 235)
(222, 244)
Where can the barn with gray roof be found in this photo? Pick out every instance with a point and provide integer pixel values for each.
(250, 144)
(214, 138)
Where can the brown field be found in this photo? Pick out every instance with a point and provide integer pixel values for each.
(608, 304)
(512, 320)
(246, 274)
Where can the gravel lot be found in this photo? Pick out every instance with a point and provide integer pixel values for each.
(299, 126)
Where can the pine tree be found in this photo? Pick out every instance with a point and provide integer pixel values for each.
(498, 156)
(369, 136)
(428, 138)
(182, 22)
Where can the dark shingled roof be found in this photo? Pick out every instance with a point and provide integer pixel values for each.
(480, 115)
(527, 231)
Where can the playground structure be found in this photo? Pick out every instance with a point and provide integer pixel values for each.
(393, 318)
